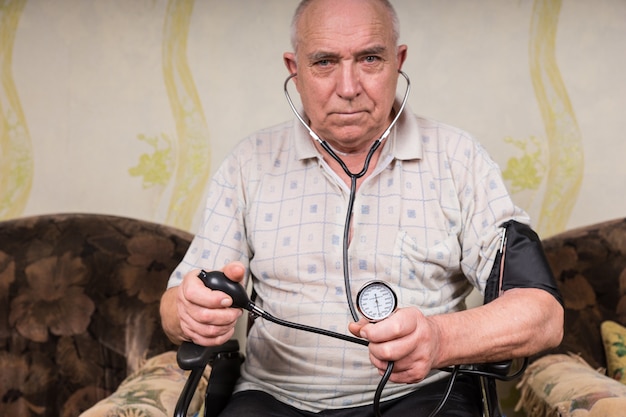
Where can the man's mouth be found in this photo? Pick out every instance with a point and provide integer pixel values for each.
(349, 113)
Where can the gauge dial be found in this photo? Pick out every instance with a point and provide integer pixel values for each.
(376, 301)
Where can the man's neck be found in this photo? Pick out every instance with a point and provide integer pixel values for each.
(354, 161)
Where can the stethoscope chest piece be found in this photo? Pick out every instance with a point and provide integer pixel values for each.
(376, 301)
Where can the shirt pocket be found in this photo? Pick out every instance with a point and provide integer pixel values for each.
(429, 273)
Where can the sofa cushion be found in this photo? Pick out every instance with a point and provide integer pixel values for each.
(614, 339)
(589, 264)
(152, 391)
(565, 385)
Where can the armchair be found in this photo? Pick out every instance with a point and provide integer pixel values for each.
(79, 296)
(589, 264)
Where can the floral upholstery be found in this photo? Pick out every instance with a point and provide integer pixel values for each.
(566, 386)
(614, 339)
(79, 297)
(152, 391)
(589, 264)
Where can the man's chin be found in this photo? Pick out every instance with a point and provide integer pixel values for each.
(350, 137)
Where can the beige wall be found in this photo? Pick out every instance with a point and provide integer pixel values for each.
(124, 107)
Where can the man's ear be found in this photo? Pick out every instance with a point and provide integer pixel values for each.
(289, 58)
(401, 55)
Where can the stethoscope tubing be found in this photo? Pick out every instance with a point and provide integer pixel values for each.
(454, 370)
(353, 184)
(353, 176)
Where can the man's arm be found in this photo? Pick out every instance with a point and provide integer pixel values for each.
(519, 323)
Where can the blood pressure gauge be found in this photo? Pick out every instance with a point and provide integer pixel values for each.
(376, 301)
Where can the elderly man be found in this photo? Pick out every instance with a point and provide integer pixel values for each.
(311, 211)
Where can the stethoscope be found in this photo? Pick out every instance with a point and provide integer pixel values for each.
(353, 183)
(370, 295)
(376, 300)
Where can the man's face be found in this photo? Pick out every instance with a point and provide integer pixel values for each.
(347, 64)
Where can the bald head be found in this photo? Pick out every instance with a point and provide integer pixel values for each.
(304, 5)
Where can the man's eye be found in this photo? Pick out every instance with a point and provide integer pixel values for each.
(323, 63)
(371, 59)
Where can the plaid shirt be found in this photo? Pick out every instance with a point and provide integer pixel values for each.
(425, 221)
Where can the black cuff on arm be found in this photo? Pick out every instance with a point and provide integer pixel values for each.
(525, 264)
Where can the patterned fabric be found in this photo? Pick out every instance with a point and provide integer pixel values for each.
(425, 221)
(565, 385)
(152, 391)
(79, 307)
(614, 338)
(589, 264)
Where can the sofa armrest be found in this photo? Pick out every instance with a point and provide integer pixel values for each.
(152, 390)
(566, 386)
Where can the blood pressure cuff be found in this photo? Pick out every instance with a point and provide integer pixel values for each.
(521, 263)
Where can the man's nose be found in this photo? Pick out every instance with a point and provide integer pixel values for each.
(348, 83)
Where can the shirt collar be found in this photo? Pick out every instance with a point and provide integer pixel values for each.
(403, 143)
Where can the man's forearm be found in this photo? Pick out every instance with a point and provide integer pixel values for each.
(519, 323)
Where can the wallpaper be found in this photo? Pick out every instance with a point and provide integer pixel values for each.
(16, 159)
(563, 167)
(187, 89)
(193, 157)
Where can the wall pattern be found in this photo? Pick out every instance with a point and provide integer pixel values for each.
(193, 156)
(188, 164)
(212, 57)
(564, 140)
(16, 157)
(563, 166)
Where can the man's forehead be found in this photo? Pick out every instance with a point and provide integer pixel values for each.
(355, 40)
(336, 22)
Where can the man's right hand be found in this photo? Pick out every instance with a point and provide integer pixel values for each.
(193, 312)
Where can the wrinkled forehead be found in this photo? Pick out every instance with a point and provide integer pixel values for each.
(345, 22)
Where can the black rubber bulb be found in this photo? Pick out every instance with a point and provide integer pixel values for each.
(216, 280)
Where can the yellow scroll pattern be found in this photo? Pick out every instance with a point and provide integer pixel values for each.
(194, 153)
(16, 151)
(156, 168)
(565, 165)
